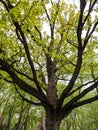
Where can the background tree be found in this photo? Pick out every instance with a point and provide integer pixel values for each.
(44, 43)
(16, 113)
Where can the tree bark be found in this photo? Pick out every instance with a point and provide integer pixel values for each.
(52, 121)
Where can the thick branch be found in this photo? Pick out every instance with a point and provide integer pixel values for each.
(71, 106)
(82, 94)
(80, 87)
(80, 24)
(80, 53)
(24, 42)
(27, 100)
(22, 84)
(89, 100)
(73, 79)
(21, 73)
(22, 38)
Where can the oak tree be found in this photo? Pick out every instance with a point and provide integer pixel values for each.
(45, 44)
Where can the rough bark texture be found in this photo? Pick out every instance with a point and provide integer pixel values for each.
(52, 90)
(52, 121)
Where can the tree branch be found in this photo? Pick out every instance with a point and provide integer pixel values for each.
(82, 94)
(19, 72)
(89, 11)
(80, 24)
(87, 101)
(39, 32)
(22, 84)
(89, 35)
(79, 57)
(73, 78)
(46, 11)
(28, 12)
(80, 87)
(22, 38)
(5, 5)
(24, 42)
(27, 100)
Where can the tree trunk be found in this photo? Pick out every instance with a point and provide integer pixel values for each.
(52, 121)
